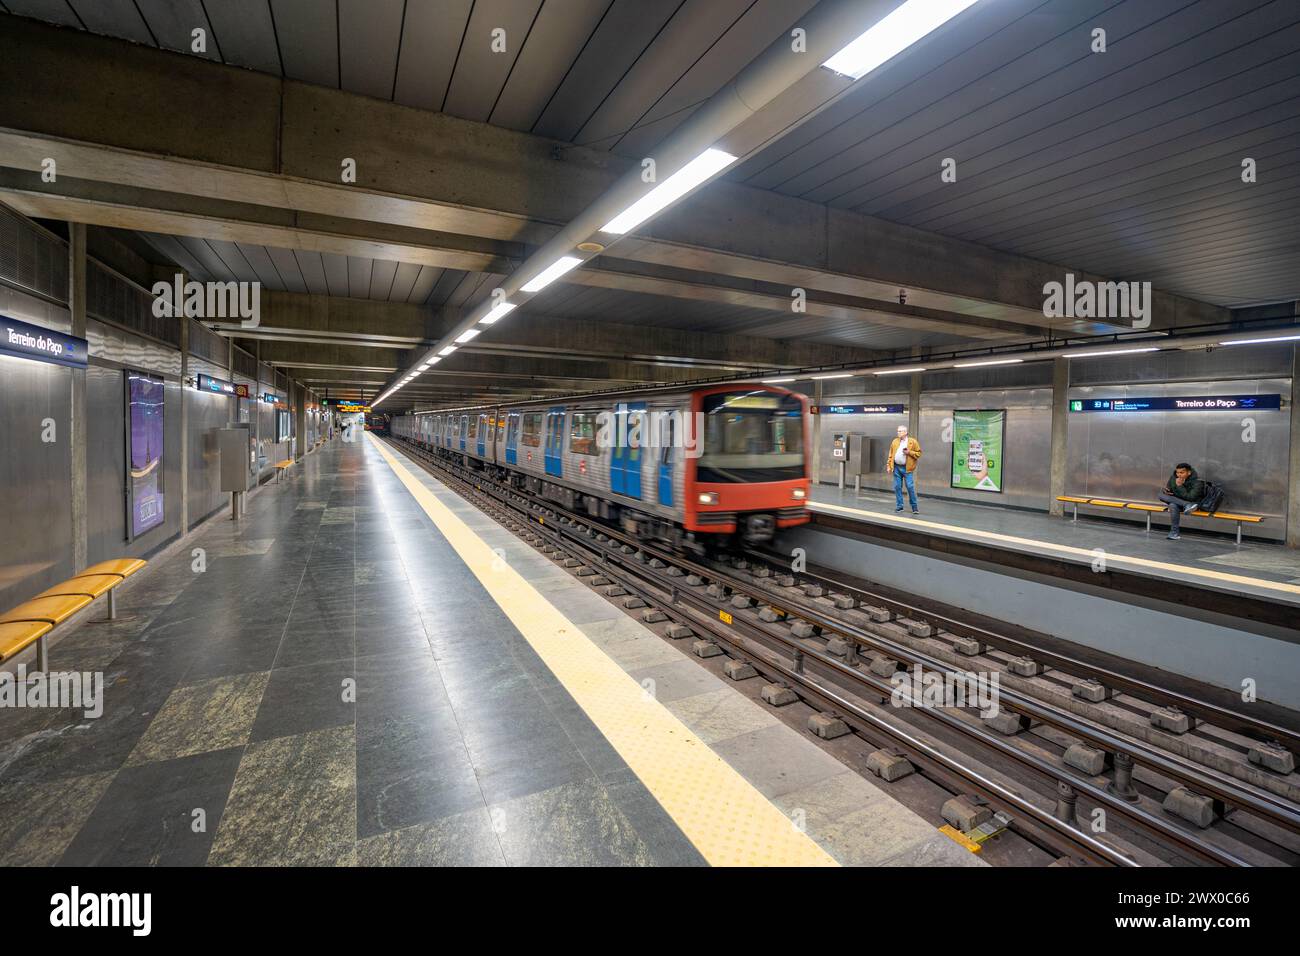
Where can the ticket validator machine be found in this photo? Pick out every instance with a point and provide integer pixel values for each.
(238, 451)
(840, 452)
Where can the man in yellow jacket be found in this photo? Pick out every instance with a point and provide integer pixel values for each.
(904, 452)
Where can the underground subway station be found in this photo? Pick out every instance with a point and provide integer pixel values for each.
(645, 434)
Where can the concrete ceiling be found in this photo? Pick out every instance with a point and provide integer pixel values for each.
(1123, 164)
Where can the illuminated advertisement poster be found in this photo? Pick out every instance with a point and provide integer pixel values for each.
(145, 398)
(977, 449)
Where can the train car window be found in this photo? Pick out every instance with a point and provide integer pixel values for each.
(635, 422)
(473, 428)
(582, 434)
(532, 429)
(751, 436)
(668, 436)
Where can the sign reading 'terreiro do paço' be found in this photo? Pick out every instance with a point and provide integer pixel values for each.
(28, 341)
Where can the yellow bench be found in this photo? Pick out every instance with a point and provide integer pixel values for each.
(30, 621)
(280, 467)
(1149, 509)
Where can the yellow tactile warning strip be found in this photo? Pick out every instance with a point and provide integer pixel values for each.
(1114, 560)
(717, 809)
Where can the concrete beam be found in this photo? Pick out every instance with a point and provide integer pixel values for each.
(320, 319)
(112, 112)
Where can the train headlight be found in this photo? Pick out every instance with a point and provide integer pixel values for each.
(799, 494)
(708, 497)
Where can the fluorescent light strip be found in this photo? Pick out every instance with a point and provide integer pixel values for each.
(779, 381)
(1274, 338)
(901, 371)
(552, 272)
(990, 362)
(500, 312)
(676, 186)
(893, 34)
(467, 335)
(819, 378)
(425, 366)
(448, 350)
(1102, 352)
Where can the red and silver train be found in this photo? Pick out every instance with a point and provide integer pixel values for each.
(683, 467)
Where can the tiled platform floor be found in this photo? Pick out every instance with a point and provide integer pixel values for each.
(335, 687)
(1210, 552)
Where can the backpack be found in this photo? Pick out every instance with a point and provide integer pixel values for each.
(1213, 499)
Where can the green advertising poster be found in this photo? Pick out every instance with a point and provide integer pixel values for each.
(977, 449)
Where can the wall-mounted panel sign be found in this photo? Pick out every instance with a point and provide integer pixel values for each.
(145, 401)
(206, 383)
(891, 409)
(33, 342)
(977, 440)
(1213, 403)
(349, 408)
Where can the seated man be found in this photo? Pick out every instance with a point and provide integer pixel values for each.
(1182, 493)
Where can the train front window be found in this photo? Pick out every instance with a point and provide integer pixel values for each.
(751, 437)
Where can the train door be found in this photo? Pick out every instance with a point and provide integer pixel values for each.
(464, 430)
(483, 426)
(625, 459)
(555, 441)
(512, 438)
(665, 463)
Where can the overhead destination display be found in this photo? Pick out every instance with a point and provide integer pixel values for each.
(1214, 403)
(28, 341)
(206, 383)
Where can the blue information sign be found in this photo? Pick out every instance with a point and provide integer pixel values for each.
(34, 342)
(1212, 403)
(859, 409)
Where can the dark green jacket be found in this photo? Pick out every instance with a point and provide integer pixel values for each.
(1193, 489)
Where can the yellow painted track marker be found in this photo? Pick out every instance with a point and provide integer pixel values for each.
(717, 809)
(1113, 560)
(952, 833)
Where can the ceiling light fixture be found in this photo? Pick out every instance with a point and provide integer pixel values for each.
(467, 335)
(893, 34)
(901, 371)
(699, 169)
(497, 314)
(1272, 338)
(552, 272)
(1101, 352)
(1012, 361)
(448, 350)
(822, 378)
(779, 381)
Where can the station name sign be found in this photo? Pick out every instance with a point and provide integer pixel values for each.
(33, 342)
(206, 383)
(893, 409)
(1214, 403)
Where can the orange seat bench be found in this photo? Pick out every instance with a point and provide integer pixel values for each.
(1149, 509)
(30, 621)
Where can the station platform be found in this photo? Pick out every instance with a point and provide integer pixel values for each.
(1212, 563)
(365, 670)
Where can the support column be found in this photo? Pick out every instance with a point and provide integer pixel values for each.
(77, 309)
(1060, 433)
(914, 406)
(817, 436)
(257, 410)
(1293, 500)
(185, 421)
(300, 413)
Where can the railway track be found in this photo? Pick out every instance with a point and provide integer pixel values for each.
(1035, 796)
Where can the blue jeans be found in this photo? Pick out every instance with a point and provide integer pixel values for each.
(901, 476)
(1177, 506)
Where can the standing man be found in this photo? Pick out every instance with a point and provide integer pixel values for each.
(903, 454)
(1182, 493)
